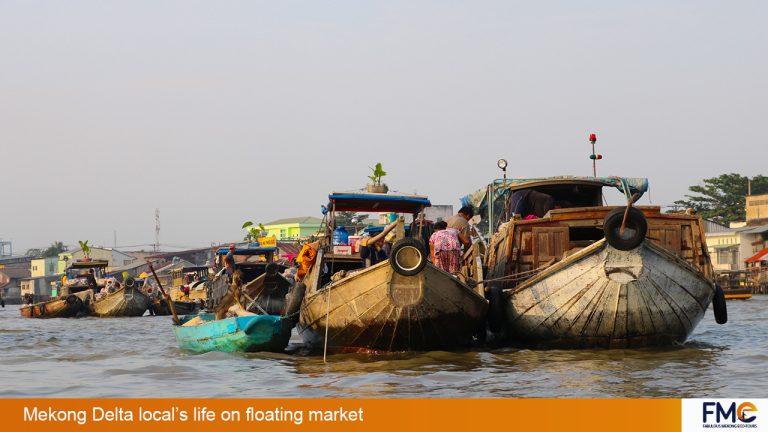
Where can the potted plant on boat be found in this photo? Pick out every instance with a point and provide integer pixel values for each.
(377, 186)
(86, 250)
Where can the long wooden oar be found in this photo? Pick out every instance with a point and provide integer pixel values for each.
(167, 297)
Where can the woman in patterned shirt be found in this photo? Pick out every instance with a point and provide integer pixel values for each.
(445, 248)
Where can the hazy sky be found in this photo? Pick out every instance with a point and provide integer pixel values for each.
(226, 111)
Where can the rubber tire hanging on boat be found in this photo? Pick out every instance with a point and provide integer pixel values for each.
(496, 313)
(294, 300)
(399, 254)
(718, 305)
(271, 269)
(634, 234)
(72, 299)
(129, 282)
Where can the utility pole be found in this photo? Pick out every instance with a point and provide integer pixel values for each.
(156, 247)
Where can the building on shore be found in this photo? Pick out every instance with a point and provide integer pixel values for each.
(12, 271)
(114, 257)
(295, 228)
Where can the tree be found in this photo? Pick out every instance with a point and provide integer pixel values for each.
(722, 199)
(345, 218)
(54, 249)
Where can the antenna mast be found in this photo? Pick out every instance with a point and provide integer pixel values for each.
(157, 231)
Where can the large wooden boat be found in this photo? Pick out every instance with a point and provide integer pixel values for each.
(269, 307)
(573, 277)
(403, 304)
(75, 294)
(68, 306)
(126, 301)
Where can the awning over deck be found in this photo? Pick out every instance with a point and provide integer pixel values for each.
(376, 202)
(760, 256)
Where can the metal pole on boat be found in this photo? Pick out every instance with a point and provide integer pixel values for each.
(595, 157)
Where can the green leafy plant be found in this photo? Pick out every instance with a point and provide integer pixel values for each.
(86, 249)
(253, 232)
(378, 173)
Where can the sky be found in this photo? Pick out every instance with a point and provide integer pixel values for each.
(220, 112)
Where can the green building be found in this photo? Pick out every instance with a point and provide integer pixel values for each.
(293, 228)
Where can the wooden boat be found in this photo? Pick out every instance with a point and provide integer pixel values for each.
(402, 304)
(66, 306)
(76, 292)
(737, 284)
(251, 262)
(127, 301)
(263, 291)
(237, 334)
(160, 307)
(572, 278)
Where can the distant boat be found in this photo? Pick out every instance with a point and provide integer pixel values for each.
(67, 306)
(570, 277)
(126, 301)
(404, 303)
(237, 334)
(76, 293)
(737, 284)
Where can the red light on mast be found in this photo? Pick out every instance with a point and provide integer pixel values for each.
(592, 138)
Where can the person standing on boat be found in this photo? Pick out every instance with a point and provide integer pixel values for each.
(372, 250)
(229, 261)
(460, 222)
(445, 248)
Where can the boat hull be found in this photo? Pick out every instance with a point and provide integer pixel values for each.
(160, 307)
(737, 293)
(604, 297)
(125, 302)
(378, 309)
(250, 333)
(63, 307)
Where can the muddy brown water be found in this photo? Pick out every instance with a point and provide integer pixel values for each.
(139, 357)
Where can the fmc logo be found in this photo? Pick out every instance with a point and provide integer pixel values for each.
(743, 413)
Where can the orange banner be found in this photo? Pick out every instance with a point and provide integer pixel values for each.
(339, 415)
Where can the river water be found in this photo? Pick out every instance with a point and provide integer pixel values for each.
(139, 357)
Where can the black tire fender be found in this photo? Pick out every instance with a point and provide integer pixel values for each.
(293, 303)
(271, 269)
(635, 230)
(496, 314)
(718, 305)
(72, 300)
(408, 256)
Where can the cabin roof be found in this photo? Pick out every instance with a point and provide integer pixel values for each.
(247, 250)
(89, 264)
(386, 202)
(635, 184)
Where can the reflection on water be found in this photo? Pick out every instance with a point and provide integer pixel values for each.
(138, 357)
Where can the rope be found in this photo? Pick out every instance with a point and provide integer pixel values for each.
(515, 276)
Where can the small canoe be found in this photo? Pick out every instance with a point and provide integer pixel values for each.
(63, 307)
(237, 334)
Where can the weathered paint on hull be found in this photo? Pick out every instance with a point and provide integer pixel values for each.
(66, 307)
(238, 334)
(603, 297)
(125, 302)
(378, 309)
